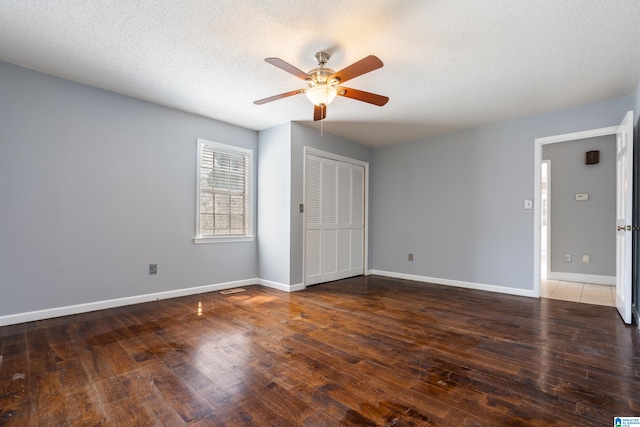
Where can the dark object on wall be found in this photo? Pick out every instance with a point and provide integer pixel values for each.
(593, 157)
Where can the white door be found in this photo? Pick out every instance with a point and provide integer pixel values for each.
(624, 218)
(350, 255)
(334, 219)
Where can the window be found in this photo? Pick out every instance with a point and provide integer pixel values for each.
(224, 193)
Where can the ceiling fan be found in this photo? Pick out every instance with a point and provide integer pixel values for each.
(324, 83)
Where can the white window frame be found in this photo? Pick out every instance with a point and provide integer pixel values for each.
(249, 236)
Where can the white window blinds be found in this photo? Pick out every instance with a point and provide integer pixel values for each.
(223, 190)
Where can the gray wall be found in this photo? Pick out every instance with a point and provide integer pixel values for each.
(94, 186)
(456, 201)
(274, 204)
(583, 227)
(302, 136)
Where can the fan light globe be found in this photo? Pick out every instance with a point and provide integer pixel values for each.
(321, 94)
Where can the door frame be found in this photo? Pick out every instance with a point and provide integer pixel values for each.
(548, 236)
(339, 158)
(539, 142)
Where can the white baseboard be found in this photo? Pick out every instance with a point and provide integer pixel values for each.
(31, 316)
(582, 278)
(49, 313)
(281, 286)
(458, 283)
(297, 287)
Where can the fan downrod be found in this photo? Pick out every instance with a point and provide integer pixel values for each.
(322, 58)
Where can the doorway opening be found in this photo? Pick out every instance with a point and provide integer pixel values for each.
(579, 227)
(623, 202)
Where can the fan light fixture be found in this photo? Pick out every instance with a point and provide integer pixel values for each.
(325, 83)
(321, 94)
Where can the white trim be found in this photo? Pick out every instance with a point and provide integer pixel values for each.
(223, 239)
(297, 287)
(594, 279)
(281, 286)
(49, 313)
(458, 283)
(548, 237)
(30, 316)
(537, 160)
(537, 202)
(227, 148)
(365, 252)
(332, 156)
(573, 136)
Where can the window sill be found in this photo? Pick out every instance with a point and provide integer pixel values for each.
(225, 239)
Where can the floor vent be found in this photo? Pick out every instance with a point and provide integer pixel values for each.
(232, 291)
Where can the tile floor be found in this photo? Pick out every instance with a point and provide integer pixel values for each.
(578, 292)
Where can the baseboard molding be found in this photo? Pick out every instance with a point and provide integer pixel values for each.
(458, 283)
(297, 287)
(13, 319)
(49, 313)
(582, 278)
(281, 286)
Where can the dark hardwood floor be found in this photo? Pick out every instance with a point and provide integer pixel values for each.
(361, 351)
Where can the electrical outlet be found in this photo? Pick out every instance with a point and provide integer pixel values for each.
(567, 258)
(410, 257)
(153, 268)
(585, 259)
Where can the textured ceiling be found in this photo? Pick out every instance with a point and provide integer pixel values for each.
(448, 64)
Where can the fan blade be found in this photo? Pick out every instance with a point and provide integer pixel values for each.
(276, 97)
(287, 67)
(319, 112)
(360, 95)
(359, 68)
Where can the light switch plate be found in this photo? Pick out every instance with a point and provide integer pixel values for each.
(582, 197)
(528, 204)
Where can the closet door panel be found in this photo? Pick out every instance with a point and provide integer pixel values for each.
(334, 219)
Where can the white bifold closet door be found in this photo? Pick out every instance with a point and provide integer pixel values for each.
(334, 220)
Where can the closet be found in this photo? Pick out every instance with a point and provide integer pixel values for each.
(334, 219)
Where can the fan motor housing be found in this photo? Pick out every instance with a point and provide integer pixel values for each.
(321, 75)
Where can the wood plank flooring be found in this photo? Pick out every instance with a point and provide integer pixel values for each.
(361, 351)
